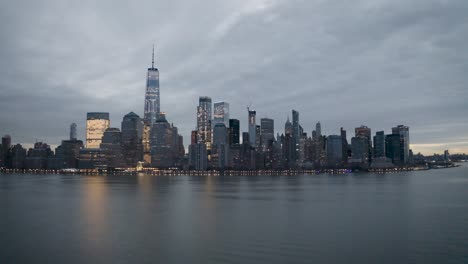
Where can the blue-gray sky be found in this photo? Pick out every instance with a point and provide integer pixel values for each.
(345, 63)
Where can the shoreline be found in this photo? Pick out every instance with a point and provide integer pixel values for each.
(176, 172)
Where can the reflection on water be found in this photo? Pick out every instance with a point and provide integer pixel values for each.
(417, 217)
(94, 213)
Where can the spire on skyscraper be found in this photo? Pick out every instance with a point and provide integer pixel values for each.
(152, 60)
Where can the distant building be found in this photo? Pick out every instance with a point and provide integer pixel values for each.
(234, 132)
(132, 135)
(161, 144)
(96, 124)
(318, 129)
(221, 113)
(152, 95)
(344, 146)
(68, 152)
(204, 121)
(252, 125)
(38, 156)
(146, 144)
(111, 147)
(73, 131)
(403, 131)
(198, 157)
(360, 150)
(267, 130)
(220, 154)
(379, 144)
(92, 159)
(18, 156)
(365, 132)
(394, 148)
(296, 134)
(5, 160)
(334, 149)
(288, 127)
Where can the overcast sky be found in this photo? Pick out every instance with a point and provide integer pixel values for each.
(344, 63)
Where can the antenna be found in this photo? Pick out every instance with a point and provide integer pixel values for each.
(152, 60)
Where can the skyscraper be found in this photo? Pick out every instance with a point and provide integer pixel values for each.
(162, 143)
(394, 146)
(4, 151)
(220, 150)
(252, 126)
(288, 128)
(204, 121)
(379, 144)
(267, 127)
(152, 96)
(96, 125)
(111, 146)
(132, 134)
(403, 131)
(234, 132)
(296, 133)
(334, 149)
(365, 132)
(345, 145)
(73, 131)
(221, 113)
(318, 129)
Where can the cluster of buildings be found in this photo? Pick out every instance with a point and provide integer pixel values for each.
(216, 143)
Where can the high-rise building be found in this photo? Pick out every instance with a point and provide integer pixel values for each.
(234, 132)
(73, 131)
(334, 150)
(345, 146)
(364, 131)
(68, 152)
(111, 147)
(162, 143)
(394, 148)
(96, 124)
(360, 150)
(220, 150)
(288, 127)
(204, 121)
(257, 136)
(4, 151)
(296, 133)
(152, 95)
(267, 127)
(146, 142)
(221, 113)
(198, 156)
(318, 129)
(18, 156)
(252, 126)
(403, 131)
(379, 144)
(132, 135)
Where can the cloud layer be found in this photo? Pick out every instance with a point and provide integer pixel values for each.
(345, 63)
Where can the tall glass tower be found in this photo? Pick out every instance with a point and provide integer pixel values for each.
(152, 103)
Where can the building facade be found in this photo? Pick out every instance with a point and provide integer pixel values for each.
(96, 125)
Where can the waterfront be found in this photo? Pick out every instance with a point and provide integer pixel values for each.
(406, 217)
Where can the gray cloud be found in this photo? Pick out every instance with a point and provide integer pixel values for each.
(344, 63)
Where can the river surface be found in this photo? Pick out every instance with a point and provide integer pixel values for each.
(408, 217)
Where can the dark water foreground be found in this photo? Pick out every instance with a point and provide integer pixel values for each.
(408, 217)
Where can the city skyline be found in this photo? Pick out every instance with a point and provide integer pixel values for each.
(420, 86)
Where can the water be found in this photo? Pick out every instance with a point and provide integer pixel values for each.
(413, 217)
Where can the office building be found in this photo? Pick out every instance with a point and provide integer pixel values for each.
(96, 125)
(152, 95)
(221, 113)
